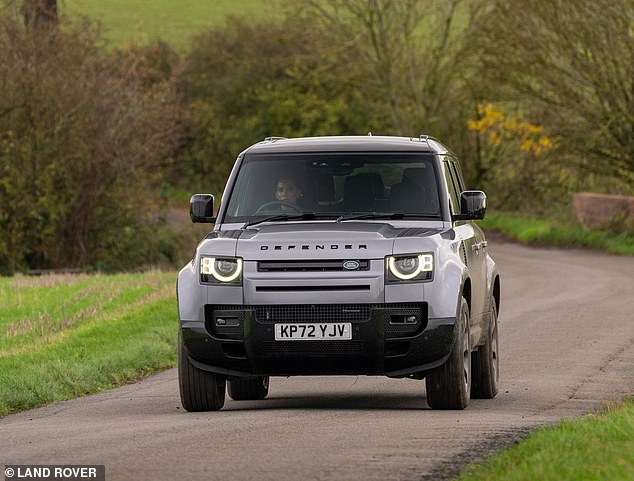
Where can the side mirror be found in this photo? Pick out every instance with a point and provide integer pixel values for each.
(201, 208)
(473, 205)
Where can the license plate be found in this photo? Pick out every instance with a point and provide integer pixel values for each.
(313, 332)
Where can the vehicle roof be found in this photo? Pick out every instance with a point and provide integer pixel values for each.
(356, 143)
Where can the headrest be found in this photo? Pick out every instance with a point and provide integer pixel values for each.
(358, 192)
(421, 176)
(377, 182)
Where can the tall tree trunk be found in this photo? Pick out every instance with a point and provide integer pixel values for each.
(40, 14)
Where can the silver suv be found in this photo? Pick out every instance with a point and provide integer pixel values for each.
(340, 255)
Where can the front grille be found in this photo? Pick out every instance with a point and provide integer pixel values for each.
(312, 313)
(311, 266)
(272, 313)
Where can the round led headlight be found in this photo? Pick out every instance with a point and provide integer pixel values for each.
(411, 267)
(221, 269)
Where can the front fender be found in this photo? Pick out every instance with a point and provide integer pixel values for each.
(444, 292)
(190, 297)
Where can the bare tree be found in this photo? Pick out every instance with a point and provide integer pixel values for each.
(408, 48)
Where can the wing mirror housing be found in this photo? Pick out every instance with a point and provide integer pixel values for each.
(201, 208)
(473, 205)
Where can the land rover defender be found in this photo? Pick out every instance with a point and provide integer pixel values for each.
(340, 256)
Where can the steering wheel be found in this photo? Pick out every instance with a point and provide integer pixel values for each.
(282, 204)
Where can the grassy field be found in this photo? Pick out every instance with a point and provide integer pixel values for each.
(539, 231)
(63, 336)
(592, 448)
(140, 21)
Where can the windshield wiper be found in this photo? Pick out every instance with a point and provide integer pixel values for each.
(386, 215)
(280, 217)
(365, 215)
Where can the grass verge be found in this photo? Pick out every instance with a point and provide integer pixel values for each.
(540, 231)
(65, 336)
(592, 448)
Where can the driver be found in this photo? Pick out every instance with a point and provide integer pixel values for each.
(287, 191)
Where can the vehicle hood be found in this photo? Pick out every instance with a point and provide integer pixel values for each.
(320, 240)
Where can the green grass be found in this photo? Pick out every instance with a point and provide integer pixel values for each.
(592, 448)
(176, 22)
(65, 336)
(540, 231)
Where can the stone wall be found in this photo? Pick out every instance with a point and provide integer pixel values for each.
(600, 210)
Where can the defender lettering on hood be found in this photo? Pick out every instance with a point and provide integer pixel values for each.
(318, 247)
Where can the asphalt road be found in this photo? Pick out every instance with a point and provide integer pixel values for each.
(567, 347)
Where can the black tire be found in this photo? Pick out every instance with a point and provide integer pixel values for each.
(199, 390)
(485, 362)
(248, 389)
(449, 386)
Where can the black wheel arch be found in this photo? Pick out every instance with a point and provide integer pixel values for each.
(465, 291)
(496, 292)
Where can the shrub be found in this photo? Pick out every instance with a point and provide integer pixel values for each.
(84, 137)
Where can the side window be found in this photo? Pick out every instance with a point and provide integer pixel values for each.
(459, 177)
(453, 193)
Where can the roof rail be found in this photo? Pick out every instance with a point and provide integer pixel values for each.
(421, 138)
(273, 139)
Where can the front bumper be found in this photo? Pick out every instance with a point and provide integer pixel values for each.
(394, 339)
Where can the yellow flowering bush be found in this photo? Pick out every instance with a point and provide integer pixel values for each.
(517, 161)
(496, 127)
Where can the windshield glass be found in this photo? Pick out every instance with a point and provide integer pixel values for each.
(334, 185)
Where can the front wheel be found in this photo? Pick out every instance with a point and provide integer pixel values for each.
(449, 386)
(199, 390)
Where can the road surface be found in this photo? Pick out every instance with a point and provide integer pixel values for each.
(567, 347)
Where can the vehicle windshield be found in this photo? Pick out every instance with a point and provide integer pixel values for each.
(338, 186)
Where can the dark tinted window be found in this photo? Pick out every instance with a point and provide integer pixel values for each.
(329, 184)
(459, 177)
(453, 187)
